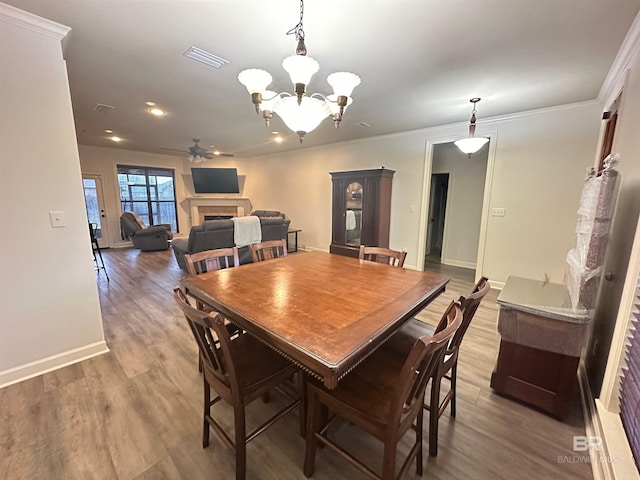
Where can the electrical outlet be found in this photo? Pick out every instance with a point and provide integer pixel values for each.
(498, 212)
(57, 219)
(412, 208)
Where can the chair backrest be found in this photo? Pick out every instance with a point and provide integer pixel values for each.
(213, 342)
(469, 304)
(268, 250)
(211, 260)
(421, 363)
(382, 255)
(130, 223)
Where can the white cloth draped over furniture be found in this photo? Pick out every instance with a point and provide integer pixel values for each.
(351, 220)
(246, 230)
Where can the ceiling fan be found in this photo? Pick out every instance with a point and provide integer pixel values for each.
(198, 154)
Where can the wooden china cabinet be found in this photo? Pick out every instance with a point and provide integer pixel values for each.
(361, 210)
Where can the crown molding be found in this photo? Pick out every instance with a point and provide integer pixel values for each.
(32, 22)
(614, 80)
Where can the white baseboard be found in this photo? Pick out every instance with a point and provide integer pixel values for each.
(459, 263)
(496, 285)
(33, 369)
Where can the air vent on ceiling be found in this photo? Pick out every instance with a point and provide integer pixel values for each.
(101, 107)
(363, 124)
(205, 57)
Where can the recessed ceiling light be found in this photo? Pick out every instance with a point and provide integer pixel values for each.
(275, 133)
(115, 139)
(278, 139)
(151, 104)
(108, 131)
(212, 146)
(216, 152)
(157, 112)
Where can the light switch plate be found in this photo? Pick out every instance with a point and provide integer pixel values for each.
(497, 212)
(57, 219)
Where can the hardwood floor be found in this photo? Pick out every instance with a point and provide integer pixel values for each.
(135, 413)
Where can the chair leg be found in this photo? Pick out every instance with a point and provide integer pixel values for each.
(199, 363)
(313, 426)
(454, 376)
(302, 387)
(206, 413)
(434, 406)
(241, 443)
(389, 459)
(419, 426)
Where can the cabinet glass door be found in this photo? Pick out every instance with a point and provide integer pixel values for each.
(353, 213)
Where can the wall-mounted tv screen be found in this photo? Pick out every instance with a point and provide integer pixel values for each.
(215, 180)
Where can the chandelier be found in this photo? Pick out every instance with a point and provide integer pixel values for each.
(471, 144)
(299, 112)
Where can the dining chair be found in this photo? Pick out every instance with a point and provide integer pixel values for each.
(402, 340)
(268, 250)
(383, 396)
(210, 260)
(239, 372)
(382, 255)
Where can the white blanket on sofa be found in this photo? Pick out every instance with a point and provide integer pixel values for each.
(246, 230)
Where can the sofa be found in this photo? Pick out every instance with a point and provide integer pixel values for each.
(146, 238)
(214, 234)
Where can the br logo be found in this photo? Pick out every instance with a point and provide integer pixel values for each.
(582, 443)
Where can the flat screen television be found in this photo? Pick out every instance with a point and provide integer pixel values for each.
(215, 180)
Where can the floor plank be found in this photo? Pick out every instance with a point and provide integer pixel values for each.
(135, 413)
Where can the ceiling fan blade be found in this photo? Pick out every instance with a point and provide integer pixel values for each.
(173, 150)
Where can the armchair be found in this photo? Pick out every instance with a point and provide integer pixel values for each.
(154, 237)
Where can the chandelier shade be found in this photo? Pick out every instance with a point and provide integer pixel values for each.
(255, 80)
(302, 118)
(471, 144)
(301, 113)
(300, 68)
(343, 83)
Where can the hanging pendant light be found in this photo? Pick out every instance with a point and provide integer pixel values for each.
(301, 113)
(472, 143)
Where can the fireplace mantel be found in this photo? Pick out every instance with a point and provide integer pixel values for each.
(242, 205)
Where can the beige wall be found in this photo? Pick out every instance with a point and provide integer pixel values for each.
(49, 309)
(538, 169)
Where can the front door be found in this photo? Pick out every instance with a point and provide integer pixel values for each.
(94, 201)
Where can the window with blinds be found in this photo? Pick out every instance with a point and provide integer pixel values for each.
(630, 384)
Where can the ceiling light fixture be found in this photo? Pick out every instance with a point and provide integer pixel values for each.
(157, 112)
(299, 112)
(472, 143)
(115, 139)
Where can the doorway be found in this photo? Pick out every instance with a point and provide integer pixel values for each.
(454, 213)
(437, 216)
(94, 203)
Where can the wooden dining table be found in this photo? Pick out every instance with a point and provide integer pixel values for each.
(324, 312)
